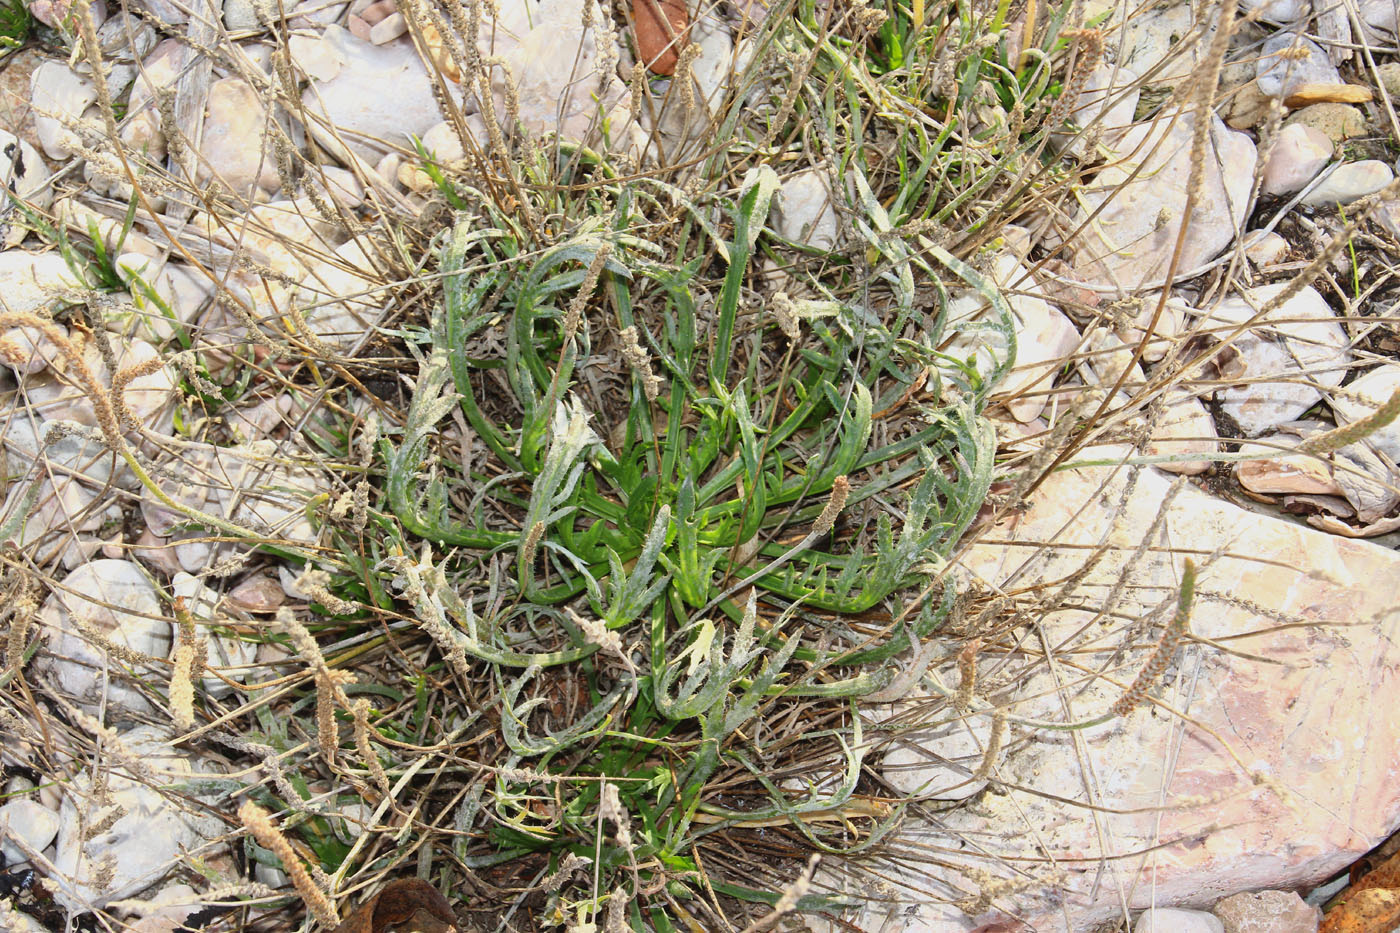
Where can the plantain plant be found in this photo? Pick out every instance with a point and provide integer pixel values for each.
(688, 569)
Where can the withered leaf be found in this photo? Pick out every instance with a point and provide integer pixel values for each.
(402, 905)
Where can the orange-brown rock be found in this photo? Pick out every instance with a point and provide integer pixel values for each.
(1305, 95)
(1371, 910)
(440, 56)
(663, 29)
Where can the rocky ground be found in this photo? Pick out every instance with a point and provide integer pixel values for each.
(216, 269)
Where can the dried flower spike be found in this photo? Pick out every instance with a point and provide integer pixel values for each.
(840, 490)
(259, 823)
(967, 672)
(1166, 647)
(640, 361)
(1351, 433)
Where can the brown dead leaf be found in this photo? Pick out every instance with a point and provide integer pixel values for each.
(663, 29)
(405, 905)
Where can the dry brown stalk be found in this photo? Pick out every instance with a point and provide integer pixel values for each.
(785, 312)
(993, 749)
(329, 684)
(182, 686)
(25, 604)
(640, 360)
(532, 543)
(259, 823)
(1088, 54)
(316, 584)
(574, 315)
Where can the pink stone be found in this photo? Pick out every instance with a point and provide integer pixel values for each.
(1267, 250)
(235, 126)
(388, 29)
(156, 552)
(1267, 912)
(1299, 154)
(376, 12)
(1299, 473)
(358, 27)
(1185, 427)
(258, 593)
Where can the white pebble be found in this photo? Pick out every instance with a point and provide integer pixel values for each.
(1350, 182)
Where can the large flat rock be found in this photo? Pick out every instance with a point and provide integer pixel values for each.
(1267, 760)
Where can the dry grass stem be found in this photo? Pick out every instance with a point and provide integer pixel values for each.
(1358, 430)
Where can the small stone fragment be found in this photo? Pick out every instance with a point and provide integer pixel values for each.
(1387, 214)
(1185, 427)
(1247, 107)
(1267, 250)
(1339, 122)
(378, 12)
(1297, 156)
(1301, 338)
(1286, 475)
(240, 15)
(1137, 203)
(1277, 11)
(1361, 398)
(23, 173)
(59, 97)
(150, 831)
(232, 146)
(258, 593)
(29, 820)
(1389, 75)
(1350, 182)
(805, 213)
(112, 599)
(1173, 920)
(1290, 61)
(388, 29)
(1379, 15)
